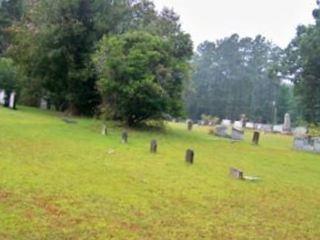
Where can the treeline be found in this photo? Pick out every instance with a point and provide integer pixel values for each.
(122, 59)
(236, 76)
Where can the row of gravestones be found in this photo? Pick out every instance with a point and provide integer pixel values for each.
(283, 128)
(8, 99)
(307, 143)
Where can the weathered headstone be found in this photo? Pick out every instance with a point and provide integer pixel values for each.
(189, 124)
(300, 131)
(12, 100)
(256, 138)
(250, 125)
(124, 137)
(316, 145)
(190, 156)
(236, 173)
(287, 123)
(104, 130)
(238, 124)
(221, 131)
(278, 128)
(266, 128)
(153, 146)
(2, 96)
(44, 104)
(237, 134)
(226, 122)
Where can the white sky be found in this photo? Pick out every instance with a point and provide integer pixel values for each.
(214, 19)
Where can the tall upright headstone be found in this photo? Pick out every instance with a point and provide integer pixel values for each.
(2, 96)
(124, 137)
(12, 100)
(190, 124)
(189, 156)
(287, 123)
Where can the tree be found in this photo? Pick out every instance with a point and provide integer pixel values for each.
(136, 72)
(8, 75)
(235, 76)
(303, 68)
(10, 12)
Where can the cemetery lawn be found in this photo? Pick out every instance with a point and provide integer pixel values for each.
(67, 181)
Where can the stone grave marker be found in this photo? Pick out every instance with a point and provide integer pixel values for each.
(238, 124)
(226, 122)
(316, 144)
(250, 125)
(300, 131)
(266, 128)
(190, 156)
(2, 97)
(221, 131)
(124, 137)
(153, 146)
(12, 100)
(104, 130)
(287, 123)
(236, 173)
(189, 124)
(256, 138)
(278, 128)
(237, 134)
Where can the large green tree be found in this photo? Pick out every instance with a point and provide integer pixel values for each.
(235, 76)
(137, 77)
(303, 68)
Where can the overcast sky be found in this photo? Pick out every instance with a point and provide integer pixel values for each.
(215, 19)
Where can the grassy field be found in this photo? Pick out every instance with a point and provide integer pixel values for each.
(66, 181)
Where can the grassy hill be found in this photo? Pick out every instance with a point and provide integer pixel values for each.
(66, 181)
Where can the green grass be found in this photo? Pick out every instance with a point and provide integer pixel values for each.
(64, 181)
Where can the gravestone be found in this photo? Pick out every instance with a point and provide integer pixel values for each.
(266, 128)
(287, 123)
(2, 97)
(226, 122)
(316, 145)
(236, 173)
(124, 137)
(256, 138)
(221, 131)
(190, 156)
(44, 104)
(278, 128)
(304, 144)
(153, 146)
(258, 126)
(238, 124)
(104, 130)
(250, 125)
(237, 134)
(12, 100)
(300, 131)
(189, 124)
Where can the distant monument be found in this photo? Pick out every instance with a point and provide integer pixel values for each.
(287, 123)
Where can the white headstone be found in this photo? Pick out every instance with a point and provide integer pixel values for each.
(226, 122)
(250, 125)
(43, 104)
(300, 131)
(2, 96)
(287, 123)
(237, 134)
(12, 100)
(237, 124)
(278, 128)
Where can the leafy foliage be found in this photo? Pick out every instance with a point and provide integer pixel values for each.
(303, 68)
(136, 77)
(235, 76)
